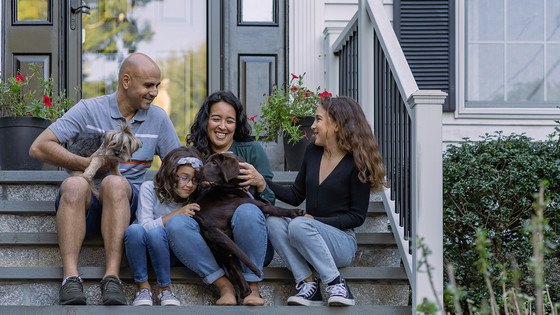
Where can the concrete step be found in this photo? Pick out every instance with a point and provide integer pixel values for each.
(40, 285)
(204, 310)
(30, 272)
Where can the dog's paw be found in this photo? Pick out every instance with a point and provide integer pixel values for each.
(297, 212)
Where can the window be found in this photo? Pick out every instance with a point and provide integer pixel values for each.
(511, 55)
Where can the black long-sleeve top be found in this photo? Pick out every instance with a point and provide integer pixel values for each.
(341, 200)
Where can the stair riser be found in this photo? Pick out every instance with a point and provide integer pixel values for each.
(20, 256)
(46, 223)
(29, 192)
(275, 293)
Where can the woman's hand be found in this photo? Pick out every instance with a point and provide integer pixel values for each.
(309, 216)
(250, 176)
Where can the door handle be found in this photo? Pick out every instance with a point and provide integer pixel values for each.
(76, 9)
(81, 9)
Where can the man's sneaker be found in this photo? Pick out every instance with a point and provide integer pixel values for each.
(309, 294)
(143, 298)
(167, 298)
(72, 292)
(340, 294)
(112, 292)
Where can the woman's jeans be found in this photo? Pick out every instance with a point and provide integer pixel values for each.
(136, 241)
(249, 233)
(303, 241)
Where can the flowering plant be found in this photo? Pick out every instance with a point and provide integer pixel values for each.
(46, 103)
(283, 109)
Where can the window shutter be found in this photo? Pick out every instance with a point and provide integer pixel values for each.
(426, 31)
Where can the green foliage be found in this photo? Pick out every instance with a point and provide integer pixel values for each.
(18, 99)
(283, 107)
(489, 187)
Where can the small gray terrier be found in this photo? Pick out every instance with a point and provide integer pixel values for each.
(112, 147)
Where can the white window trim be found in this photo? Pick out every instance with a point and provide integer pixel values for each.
(460, 78)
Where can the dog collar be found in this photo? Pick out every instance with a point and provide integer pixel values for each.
(246, 190)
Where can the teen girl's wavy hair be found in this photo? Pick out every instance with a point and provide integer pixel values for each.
(199, 130)
(355, 136)
(165, 180)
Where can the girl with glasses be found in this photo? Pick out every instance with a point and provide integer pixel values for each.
(171, 193)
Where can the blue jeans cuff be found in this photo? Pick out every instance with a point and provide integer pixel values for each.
(209, 279)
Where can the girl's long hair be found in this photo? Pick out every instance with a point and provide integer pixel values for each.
(166, 178)
(199, 130)
(355, 136)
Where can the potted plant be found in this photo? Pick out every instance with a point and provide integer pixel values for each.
(289, 110)
(24, 114)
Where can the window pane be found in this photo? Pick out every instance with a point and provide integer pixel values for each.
(485, 68)
(553, 20)
(171, 32)
(257, 11)
(525, 73)
(485, 20)
(32, 10)
(553, 74)
(525, 20)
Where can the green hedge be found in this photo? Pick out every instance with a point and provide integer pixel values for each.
(491, 184)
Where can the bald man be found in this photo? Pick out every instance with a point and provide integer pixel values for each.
(78, 212)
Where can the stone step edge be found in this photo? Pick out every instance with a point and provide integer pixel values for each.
(182, 273)
(207, 309)
(18, 238)
(37, 207)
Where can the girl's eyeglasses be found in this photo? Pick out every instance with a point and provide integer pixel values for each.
(186, 180)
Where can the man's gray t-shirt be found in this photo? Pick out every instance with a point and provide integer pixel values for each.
(97, 115)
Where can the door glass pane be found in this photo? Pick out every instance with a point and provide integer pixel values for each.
(171, 32)
(257, 11)
(32, 10)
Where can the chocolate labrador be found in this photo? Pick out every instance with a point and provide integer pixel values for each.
(217, 205)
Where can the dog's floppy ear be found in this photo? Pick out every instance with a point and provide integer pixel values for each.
(229, 167)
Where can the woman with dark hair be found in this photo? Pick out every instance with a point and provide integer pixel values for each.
(221, 126)
(341, 167)
(169, 195)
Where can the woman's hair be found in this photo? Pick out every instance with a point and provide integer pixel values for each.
(355, 136)
(199, 130)
(165, 180)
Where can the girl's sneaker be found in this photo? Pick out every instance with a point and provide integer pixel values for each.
(143, 298)
(309, 294)
(167, 298)
(340, 294)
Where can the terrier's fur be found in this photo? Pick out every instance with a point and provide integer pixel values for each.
(113, 147)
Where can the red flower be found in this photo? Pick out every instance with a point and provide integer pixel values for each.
(47, 101)
(294, 76)
(252, 118)
(293, 88)
(294, 119)
(325, 94)
(20, 78)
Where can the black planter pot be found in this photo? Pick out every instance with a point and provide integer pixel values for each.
(293, 152)
(16, 136)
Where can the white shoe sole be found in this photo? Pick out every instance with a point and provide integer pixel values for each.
(170, 303)
(142, 303)
(340, 301)
(299, 301)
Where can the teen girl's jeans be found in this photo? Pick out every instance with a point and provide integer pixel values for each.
(136, 241)
(249, 233)
(302, 240)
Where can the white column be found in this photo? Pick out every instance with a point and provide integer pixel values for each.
(365, 61)
(331, 60)
(427, 192)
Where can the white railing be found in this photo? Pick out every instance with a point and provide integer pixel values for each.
(423, 110)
